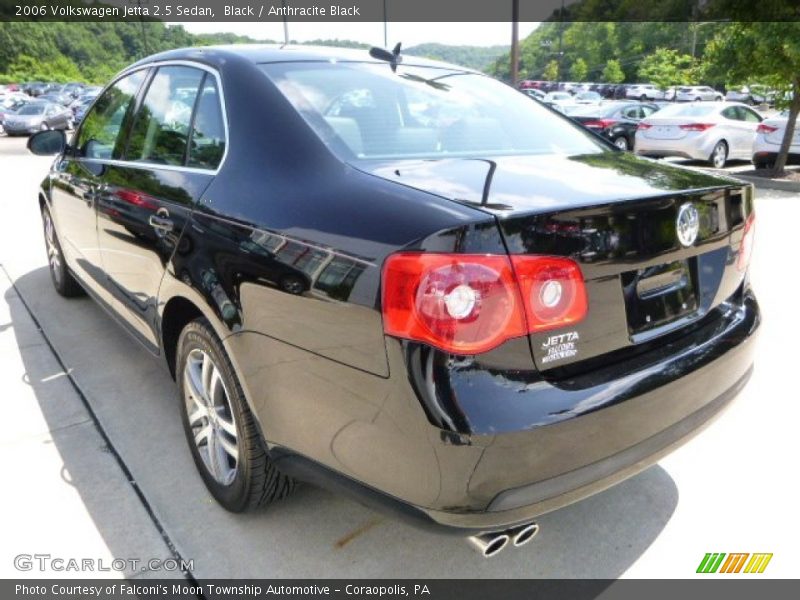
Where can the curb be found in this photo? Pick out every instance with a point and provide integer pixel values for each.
(770, 184)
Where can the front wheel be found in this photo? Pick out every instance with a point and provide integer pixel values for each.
(225, 443)
(66, 285)
(719, 155)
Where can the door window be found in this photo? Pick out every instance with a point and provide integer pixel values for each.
(749, 115)
(99, 136)
(208, 131)
(161, 129)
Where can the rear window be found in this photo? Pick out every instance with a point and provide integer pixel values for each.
(688, 110)
(367, 111)
(32, 109)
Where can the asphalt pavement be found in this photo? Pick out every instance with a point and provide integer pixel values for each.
(96, 464)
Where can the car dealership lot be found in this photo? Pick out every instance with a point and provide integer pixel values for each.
(726, 491)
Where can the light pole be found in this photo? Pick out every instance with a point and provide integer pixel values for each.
(514, 42)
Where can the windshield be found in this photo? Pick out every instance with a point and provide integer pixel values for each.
(687, 110)
(419, 112)
(32, 109)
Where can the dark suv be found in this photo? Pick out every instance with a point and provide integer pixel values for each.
(401, 280)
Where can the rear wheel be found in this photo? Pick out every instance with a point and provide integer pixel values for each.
(621, 142)
(66, 285)
(719, 155)
(225, 443)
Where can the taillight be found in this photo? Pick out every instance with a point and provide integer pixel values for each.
(553, 291)
(762, 128)
(468, 304)
(600, 123)
(696, 126)
(746, 245)
(644, 125)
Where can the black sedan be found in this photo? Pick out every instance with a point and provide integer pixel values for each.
(402, 280)
(38, 116)
(616, 121)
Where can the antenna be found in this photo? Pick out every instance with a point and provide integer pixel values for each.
(385, 26)
(285, 24)
(144, 31)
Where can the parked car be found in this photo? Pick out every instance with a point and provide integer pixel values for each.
(72, 90)
(555, 99)
(592, 98)
(503, 314)
(769, 136)
(535, 93)
(644, 92)
(57, 98)
(34, 88)
(711, 132)
(697, 93)
(38, 116)
(616, 121)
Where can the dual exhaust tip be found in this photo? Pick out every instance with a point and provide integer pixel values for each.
(489, 544)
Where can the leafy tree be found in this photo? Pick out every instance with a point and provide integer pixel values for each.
(551, 71)
(612, 72)
(579, 70)
(768, 52)
(667, 67)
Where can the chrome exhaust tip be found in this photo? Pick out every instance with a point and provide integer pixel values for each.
(489, 544)
(524, 534)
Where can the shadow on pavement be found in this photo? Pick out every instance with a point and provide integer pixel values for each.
(313, 533)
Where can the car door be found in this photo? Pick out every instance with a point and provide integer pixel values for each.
(734, 131)
(176, 143)
(750, 120)
(77, 175)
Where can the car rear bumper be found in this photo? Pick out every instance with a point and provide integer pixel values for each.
(695, 148)
(523, 445)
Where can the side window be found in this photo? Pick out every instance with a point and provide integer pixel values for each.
(749, 115)
(731, 113)
(207, 143)
(160, 132)
(647, 111)
(631, 113)
(99, 135)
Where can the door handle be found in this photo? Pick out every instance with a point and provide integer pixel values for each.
(161, 224)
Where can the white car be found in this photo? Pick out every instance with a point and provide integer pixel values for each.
(534, 93)
(556, 98)
(712, 132)
(644, 92)
(697, 93)
(769, 136)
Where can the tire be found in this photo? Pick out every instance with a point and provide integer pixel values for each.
(698, 99)
(293, 284)
(764, 164)
(719, 155)
(63, 281)
(642, 98)
(44, 127)
(247, 479)
(621, 142)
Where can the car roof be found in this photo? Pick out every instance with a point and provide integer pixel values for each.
(274, 53)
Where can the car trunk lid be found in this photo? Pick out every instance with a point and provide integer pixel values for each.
(618, 217)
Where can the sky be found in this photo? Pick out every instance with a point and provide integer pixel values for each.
(411, 34)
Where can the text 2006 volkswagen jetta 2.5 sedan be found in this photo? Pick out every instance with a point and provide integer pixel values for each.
(401, 280)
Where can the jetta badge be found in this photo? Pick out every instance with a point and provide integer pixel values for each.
(688, 224)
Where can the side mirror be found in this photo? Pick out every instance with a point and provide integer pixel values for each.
(47, 143)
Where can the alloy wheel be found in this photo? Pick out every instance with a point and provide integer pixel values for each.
(211, 417)
(621, 143)
(719, 156)
(53, 252)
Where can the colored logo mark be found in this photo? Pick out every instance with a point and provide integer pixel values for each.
(738, 562)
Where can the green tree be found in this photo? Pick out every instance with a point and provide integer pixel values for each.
(612, 72)
(550, 72)
(666, 67)
(579, 70)
(768, 52)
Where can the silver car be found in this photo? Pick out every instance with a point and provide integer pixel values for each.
(711, 132)
(697, 93)
(769, 136)
(38, 116)
(643, 92)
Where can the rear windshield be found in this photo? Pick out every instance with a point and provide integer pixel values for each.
(32, 109)
(367, 111)
(688, 110)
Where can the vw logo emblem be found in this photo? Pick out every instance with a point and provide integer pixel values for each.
(688, 224)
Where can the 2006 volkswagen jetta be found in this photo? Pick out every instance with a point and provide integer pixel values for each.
(401, 280)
